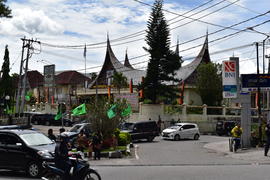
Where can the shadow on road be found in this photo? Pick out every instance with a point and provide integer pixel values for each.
(4, 174)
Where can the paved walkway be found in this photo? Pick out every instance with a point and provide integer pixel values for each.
(255, 155)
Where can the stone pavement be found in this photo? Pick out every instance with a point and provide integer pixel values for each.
(254, 155)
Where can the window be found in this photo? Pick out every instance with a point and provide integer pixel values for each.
(189, 126)
(6, 139)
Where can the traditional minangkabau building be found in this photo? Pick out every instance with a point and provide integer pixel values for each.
(102, 84)
(187, 75)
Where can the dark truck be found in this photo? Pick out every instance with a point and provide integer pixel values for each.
(48, 120)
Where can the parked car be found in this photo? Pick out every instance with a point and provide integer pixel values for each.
(181, 131)
(142, 130)
(48, 120)
(75, 131)
(25, 150)
(224, 127)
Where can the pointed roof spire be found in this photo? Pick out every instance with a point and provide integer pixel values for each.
(127, 64)
(177, 46)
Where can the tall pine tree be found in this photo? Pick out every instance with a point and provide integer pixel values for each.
(5, 83)
(163, 62)
(4, 10)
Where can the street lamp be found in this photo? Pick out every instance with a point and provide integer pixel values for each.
(267, 36)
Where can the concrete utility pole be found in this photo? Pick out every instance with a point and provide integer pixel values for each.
(20, 100)
(259, 96)
(246, 118)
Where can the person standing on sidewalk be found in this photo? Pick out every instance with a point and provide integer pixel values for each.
(267, 144)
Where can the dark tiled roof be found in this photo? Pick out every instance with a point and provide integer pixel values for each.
(127, 64)
(188, 73)
(111, 63)
(71, 77)
(35, 79)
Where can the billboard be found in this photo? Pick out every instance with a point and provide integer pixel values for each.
(131, 98)
(49, 72)
(229, 79)
(250, 82)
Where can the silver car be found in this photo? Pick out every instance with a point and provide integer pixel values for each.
(181, 131)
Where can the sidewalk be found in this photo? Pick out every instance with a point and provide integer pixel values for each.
(255, 155)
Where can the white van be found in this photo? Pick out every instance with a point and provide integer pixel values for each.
(181, 131)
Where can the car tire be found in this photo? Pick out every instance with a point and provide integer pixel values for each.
(196, 137)
(47, 123)
(33, 169)
(150, 138)
(177, 137)
(67, 124)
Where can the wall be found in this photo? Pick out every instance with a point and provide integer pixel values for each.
(206, 122)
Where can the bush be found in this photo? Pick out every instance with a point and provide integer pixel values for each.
(124, 138)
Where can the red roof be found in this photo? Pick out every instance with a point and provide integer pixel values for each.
(70, 77)
(35, 79)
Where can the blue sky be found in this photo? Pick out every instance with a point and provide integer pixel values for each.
(79, 22)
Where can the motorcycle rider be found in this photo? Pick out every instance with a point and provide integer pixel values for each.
(61, 155)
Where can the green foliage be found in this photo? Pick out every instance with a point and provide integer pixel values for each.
(209, 83)
(4, 10)
(6, 81)
(97, 115)
(147, 101)
(163, 62)
(124, 138)
(119, 81)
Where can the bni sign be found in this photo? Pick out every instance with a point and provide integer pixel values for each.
(229, 79)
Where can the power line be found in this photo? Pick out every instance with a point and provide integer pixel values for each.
(232, 34)
(142, 32)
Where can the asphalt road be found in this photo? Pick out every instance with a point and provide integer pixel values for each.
(181, 160)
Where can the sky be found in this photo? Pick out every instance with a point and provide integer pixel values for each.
(77, 23)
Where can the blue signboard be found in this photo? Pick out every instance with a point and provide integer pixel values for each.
(255, 80)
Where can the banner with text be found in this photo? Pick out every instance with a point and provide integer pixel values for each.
(229, 79)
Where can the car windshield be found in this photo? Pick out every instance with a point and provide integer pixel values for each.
(174, 127)
(127, 126)
(75, 128)
(35, 139)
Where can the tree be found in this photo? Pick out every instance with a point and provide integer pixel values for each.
(97, 114)
(163, 62)
(119, 81)
(209, 83)
(4, 10)
(6, 83)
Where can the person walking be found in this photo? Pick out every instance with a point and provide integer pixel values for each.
(236, 132)
(96, 142)
(51, 135)
(267, 144)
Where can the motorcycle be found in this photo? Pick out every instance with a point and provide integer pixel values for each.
(80, 170)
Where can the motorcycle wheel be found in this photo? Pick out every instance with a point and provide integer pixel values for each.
(92, 175)
(51, 176)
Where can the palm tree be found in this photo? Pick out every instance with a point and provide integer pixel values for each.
(119, 81)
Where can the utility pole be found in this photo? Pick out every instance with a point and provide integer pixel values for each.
(20, 100)
(259, 94)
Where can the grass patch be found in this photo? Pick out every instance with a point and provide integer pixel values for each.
(118, 148)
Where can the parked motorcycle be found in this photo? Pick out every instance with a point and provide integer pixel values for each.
(80, 170)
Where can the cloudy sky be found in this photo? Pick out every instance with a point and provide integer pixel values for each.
(65, 23)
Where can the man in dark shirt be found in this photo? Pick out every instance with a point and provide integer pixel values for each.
(61, 155)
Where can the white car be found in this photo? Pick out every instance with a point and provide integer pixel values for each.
(181, 131)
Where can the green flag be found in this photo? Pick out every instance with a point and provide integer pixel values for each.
(126, 111)
(28, 96)
(58, 115)
(111, 112)
(80, 110)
